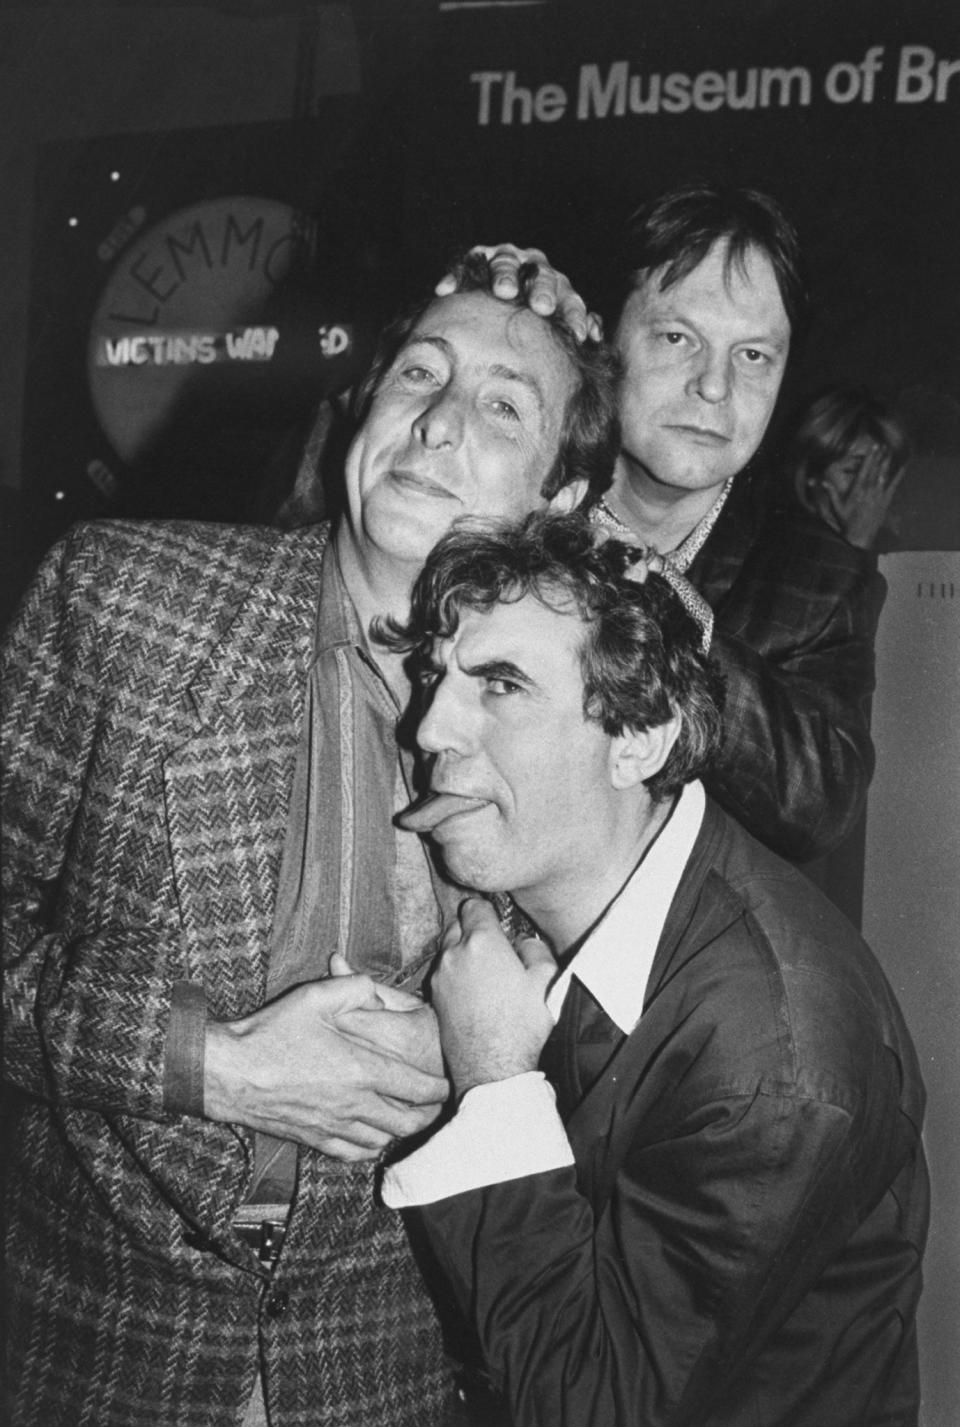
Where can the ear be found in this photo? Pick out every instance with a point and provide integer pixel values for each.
(569, 497)
(636, 755)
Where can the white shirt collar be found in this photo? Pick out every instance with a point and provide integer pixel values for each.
(614, 961)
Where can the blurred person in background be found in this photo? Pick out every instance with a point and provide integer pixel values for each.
(845, 455)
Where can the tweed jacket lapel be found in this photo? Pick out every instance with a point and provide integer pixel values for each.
(229, 770)
(625, 1095)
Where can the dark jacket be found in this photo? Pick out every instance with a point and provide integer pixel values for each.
(740, 1240)
(796, 612)
(153, 687)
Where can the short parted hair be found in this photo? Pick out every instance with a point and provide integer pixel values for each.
(641, 657)
(672, 234)
(590, 430)
(827, 425)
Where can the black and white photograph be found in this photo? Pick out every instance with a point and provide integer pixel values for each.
(480, 713)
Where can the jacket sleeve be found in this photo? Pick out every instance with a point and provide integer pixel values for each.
(644, 1309)
(794, 639)
(90, 930)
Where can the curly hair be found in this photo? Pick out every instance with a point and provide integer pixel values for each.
(640, 658)
(590, 431)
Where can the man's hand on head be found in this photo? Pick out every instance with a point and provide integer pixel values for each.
(342, 1065)
(490, 998)
(548, 291)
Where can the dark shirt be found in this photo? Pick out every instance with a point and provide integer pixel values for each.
(795, 615)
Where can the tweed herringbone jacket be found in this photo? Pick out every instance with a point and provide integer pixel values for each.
(153, 690)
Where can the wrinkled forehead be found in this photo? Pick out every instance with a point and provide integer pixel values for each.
(482, 332)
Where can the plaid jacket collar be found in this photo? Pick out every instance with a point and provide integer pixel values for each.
(228, 768)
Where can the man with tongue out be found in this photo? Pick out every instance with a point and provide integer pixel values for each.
(684, 1183)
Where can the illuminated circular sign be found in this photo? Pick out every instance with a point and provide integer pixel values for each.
(185, 301)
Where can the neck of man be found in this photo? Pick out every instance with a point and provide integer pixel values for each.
(566, 910)
(661, 515)
(377, 587)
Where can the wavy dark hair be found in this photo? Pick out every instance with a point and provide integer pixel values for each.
(641, 656)
(673, 233)
(590, 431)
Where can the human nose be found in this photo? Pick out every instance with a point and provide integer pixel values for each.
(711, 379)
(440, 423)
(444, 726)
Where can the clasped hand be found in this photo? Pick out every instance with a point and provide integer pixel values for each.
(343, 1065)
(490, 998)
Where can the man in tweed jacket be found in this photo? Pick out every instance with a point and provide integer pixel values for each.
(200, 770)
(713, 300)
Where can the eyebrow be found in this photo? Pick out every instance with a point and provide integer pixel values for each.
(498, 669)
(777, 344)
(496, 369)
(765, 339)
(432, 341)
(523, 378)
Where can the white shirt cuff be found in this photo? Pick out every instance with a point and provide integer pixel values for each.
(507, 1129)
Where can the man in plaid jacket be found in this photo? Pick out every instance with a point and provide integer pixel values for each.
(200, 771)
(713, 300)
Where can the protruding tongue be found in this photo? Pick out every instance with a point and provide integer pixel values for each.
(436, 809)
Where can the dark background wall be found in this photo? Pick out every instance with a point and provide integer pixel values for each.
(392, 131)
(403, 129)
